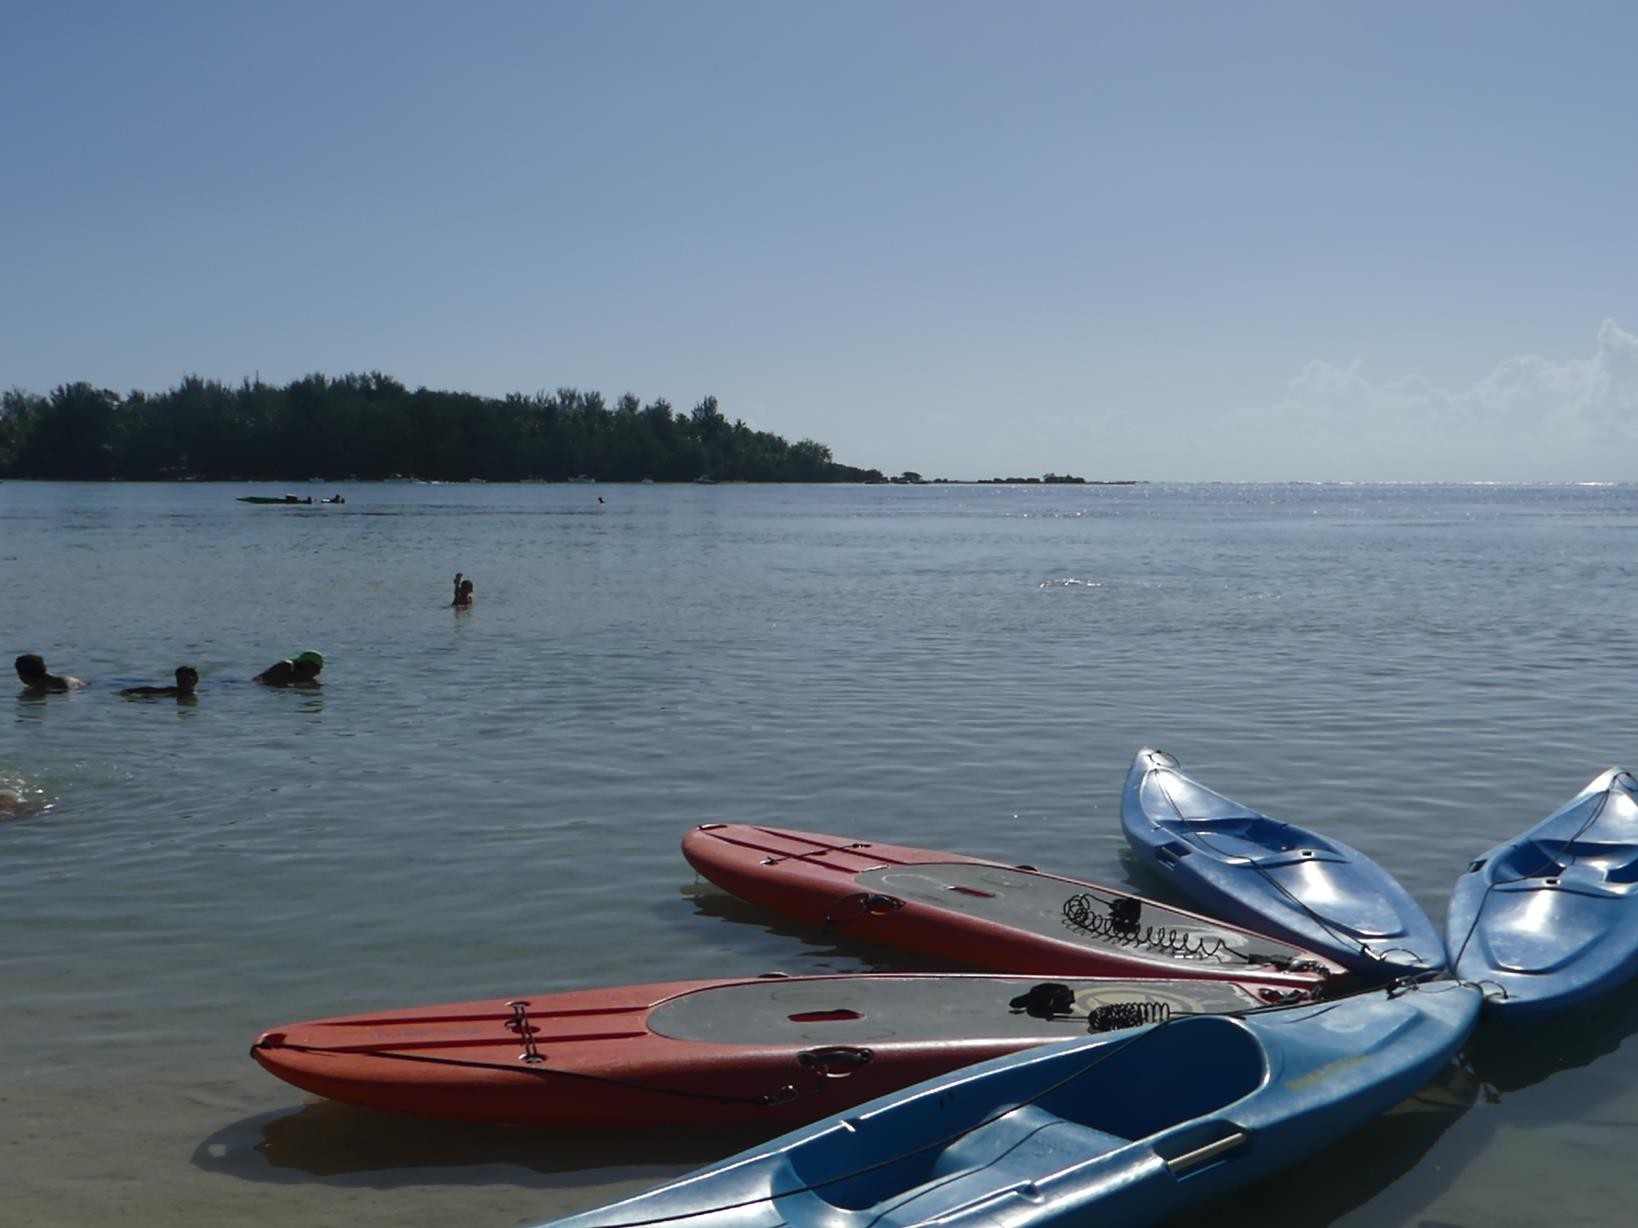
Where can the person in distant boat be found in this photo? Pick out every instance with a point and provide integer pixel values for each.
(463, 591)
(187, 679)
(31, 668)
(299, 670)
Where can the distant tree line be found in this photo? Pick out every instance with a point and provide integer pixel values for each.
(371, 426)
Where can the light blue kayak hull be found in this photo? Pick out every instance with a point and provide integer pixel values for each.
(1277, 878)
(1550, 918)
(1125, 1128)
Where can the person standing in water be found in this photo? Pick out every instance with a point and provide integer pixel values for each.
(463, 591)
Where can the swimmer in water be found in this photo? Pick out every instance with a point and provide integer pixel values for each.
(17, 804)
(463, 591)
(31, 668)
(280, 673)
(187, 678)
(299, 670)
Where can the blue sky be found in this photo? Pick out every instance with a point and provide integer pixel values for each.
(1167, 241)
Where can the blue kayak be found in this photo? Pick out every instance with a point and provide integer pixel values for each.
(1281, 879)
(1124, 1128)
(1551, 918)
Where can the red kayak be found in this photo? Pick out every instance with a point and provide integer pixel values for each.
(781, 1050)
(983, 913)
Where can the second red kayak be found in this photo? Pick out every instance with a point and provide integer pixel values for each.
(780, 1050)
(986, 914)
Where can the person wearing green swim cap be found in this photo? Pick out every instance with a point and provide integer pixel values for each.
(299, 670)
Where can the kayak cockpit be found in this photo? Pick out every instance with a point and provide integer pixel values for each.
(1261, 840)
(1068, 1111)
(1586, 863)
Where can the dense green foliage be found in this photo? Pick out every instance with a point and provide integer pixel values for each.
(371, 426)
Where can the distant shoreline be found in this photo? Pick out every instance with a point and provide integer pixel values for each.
(582, 481)
(371, 427)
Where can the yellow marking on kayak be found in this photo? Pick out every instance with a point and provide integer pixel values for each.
(1321, 1073)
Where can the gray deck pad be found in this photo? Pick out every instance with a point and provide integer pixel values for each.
(882, 1008)
(1034, 903)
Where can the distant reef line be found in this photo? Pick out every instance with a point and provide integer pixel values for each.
(373, 428)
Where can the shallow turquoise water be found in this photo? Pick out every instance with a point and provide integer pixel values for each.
(488, 802)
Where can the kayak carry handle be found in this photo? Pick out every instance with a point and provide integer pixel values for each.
(835, 1061)
(1189, 1161)
(863, 904)
(1170, 854)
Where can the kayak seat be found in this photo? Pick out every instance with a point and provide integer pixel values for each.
(1582, 876)
(1029, 1136)
(1096, 1101)
(1203, 1062)
(1022, 1131)
(1027, 1140)
(1528, 859)
(1247, 837)
(1617, 862)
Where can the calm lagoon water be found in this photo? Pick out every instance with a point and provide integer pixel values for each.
(488, 802)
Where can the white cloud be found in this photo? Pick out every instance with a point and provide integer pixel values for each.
(1530, 419)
